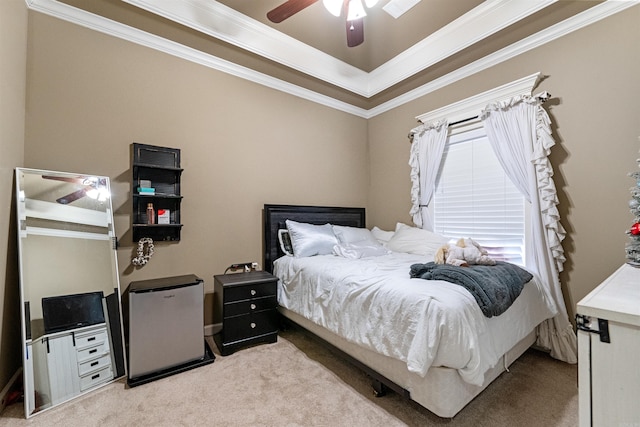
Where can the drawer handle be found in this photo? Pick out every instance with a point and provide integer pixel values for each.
(253, 306)
(95, 350)
(94, 363)
(95, 376)
(253, 291)
(91, 339)
(253, 325)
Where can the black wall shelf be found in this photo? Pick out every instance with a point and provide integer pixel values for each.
(160, 166)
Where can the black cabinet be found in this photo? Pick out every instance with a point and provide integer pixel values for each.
(156, 191)
(247, 302)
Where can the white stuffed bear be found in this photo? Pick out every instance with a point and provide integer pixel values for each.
(464, 253)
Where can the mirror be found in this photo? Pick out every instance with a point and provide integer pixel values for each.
(70, 292)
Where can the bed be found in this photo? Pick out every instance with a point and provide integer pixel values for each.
(375, 322)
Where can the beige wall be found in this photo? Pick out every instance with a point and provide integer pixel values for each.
(593, 77)
(13, 53)
(243, 145)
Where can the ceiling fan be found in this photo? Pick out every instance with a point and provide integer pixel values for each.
(353, 9)
(93, 187)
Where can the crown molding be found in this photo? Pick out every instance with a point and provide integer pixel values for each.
(217, 20)
(547, 35)
(106, 26)
(476, 25)
(240, 30)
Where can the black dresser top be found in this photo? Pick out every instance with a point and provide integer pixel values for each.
(240, 279)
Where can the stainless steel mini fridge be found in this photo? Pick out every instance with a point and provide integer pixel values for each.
(165, 325)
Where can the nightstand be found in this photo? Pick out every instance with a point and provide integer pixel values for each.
(247, 302)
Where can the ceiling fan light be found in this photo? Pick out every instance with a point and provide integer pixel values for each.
(333, 6)
(103, 194)
(93, 193)
(355, 10)
(100, 194)
(370, 3)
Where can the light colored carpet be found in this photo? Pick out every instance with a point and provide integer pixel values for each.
(297, 382)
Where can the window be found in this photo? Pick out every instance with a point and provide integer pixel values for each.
(474, 197)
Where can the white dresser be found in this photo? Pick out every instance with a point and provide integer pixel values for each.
(608, 321)
(71, 362)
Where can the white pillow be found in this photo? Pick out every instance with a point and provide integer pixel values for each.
(415, 240)
(353, 235)
(362, 249)
(309, 239)
(381, 235)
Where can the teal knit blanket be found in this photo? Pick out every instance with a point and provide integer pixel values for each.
(494, 287)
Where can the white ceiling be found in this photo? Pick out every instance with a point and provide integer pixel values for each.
(435, 43)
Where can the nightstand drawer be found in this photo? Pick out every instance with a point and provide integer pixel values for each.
(254, 290)
(249, 325)
(249, 306)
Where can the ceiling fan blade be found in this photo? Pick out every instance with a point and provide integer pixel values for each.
(72, 197)
(287, 9)
(64, 178)
(355, 32)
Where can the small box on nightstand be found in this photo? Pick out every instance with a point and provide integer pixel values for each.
(248, 303)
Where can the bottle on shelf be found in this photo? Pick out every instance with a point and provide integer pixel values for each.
(151, 214)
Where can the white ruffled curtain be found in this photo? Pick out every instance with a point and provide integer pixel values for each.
(428, 145)
(520, 133)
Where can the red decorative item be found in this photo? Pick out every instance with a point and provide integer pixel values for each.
(635, 229)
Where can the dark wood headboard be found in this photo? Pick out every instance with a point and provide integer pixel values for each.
(276, 215)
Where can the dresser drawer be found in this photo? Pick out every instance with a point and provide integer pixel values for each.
(254, 290)
(96, 378)
(250, 325)
(91, 338)
(94, 365)
(249, 306)
(90, 353)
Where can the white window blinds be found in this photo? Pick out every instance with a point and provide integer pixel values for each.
(474, 198)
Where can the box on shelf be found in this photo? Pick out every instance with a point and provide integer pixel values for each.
(164, 216)
(146, 190)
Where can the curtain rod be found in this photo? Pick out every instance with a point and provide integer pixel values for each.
(462, 121)
(542, 97)
(468, 119)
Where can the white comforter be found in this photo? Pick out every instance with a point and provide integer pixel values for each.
(373, 303)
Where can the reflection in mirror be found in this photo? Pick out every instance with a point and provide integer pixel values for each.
(72, 324)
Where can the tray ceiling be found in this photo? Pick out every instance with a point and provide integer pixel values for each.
(426, 46)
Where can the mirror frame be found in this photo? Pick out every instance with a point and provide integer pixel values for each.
(112, 333)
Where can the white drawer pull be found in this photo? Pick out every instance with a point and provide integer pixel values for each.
(253, 325)
(253, 291)
(253, 306)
